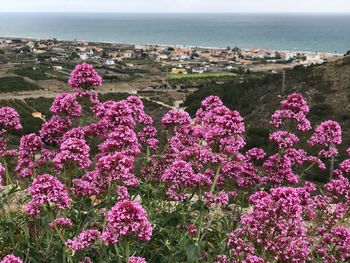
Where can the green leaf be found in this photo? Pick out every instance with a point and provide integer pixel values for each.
(193, 252)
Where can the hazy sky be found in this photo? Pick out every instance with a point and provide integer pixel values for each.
(174, 6)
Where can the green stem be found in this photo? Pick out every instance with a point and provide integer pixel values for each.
(8, 178)
(148, 154)
(215, 178)
(127, 251)
(200, 217)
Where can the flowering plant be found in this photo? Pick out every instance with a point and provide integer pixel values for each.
(95, 185)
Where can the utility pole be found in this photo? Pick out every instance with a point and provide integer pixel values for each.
(283, 81)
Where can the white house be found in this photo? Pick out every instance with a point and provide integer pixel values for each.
(57, 67)
(83, 56)
(110, 62)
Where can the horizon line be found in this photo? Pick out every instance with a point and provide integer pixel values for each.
(158, 12)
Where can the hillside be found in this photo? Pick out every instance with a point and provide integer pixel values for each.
(326, 87)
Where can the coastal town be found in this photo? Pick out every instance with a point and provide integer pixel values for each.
(165, 74)
(173, 59)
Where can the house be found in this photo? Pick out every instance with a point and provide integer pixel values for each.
(178, 71)
(110, 62)
(83, 56)
(57, 67)
(198, 70)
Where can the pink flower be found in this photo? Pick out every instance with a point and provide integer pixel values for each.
(253, 259)
(83, 77)
(175, 117)
(283, 139)
(122, 139)
(123, 194)
(296, 103)
(53, 130)
(276, 224)
(46, 190)
(86, 260)
(243, 171)
(148, 136)
(77, 133)
(92, 183)
(335, 245)
(280, 167)
(294, 108)
(137, 260)
(179, 176)
(66, 104)
(339, 189)
(61, 222)
(117, 167)
(223, 259)
(127, 218)
(327, 134)
(75, 151)
(11, 259)
(9, 119)
(29, 145)
(113, 114)
(83, 240)
(255, 153)
(192, 230)
(221, 199)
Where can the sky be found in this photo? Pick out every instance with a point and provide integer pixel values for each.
(177, 6)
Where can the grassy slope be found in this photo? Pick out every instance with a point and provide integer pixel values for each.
(13, 84)
(204, 75)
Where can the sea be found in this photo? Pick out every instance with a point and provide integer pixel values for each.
(294, 32)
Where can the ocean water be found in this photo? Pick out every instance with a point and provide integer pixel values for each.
(300, 32)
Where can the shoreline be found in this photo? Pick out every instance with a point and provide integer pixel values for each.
(168, 45)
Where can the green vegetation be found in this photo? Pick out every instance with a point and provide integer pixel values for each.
(41, 72)
(204, 75)
(13, 84)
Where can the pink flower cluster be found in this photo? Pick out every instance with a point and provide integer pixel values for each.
(204, 166)
(29, 145)
(176, 117)
(73, 150)
(46, 190)
(122, 139)
(221, 199)
(83, 77)
(61, 222)
(276, 225)
(327, 134)
(11, 259)
(335, 245)
(67, 105)
(283, 139)
(9, 119)
(53, 130)
(127, 219)
(293, 108)
(137, 260)
(180, 175)
(83, 240)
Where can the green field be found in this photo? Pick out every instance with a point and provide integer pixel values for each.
(204, 75)
(13, 84)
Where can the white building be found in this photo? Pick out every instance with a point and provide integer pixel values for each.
(110, 62)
